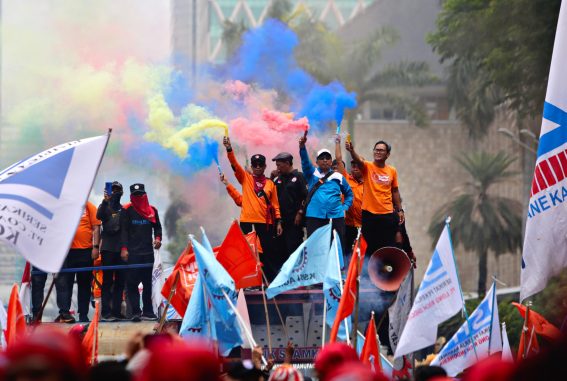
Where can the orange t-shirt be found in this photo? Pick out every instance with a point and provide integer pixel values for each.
(253, 207)
(378, 185)
(84, 235)
(353, 216)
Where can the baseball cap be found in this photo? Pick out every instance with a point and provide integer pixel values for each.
(323, 151)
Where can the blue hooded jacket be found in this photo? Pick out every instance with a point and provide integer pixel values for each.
(326, 201)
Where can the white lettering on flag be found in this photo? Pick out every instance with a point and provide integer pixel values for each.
(42, 199)
(544, 253)
(438, 299)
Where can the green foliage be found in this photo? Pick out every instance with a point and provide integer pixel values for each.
(481, 221)
(552, 301)
(499, 51)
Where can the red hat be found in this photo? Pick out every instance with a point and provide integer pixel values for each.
(59, 352)
(181, 361)
(332, 356)
(286, 372)
(355, 370)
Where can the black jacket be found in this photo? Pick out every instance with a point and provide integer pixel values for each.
(137, 234)
(292, 191)
(110, 238)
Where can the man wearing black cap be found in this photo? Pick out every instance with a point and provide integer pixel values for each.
(260, 207)
(140, 235)
(113, 281)
(292, 191)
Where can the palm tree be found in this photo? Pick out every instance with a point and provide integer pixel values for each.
(482, 221)
(325, 56)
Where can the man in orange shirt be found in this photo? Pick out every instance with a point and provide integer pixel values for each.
(353, 216)
(380, 199)
(84, 249)
(260, 207)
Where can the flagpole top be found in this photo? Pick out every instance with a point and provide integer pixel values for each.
(448, 220)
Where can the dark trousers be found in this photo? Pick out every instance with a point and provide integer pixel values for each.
(291, 238)
(379, 230)
(312, 224)
(272, 258)
(37, 290)
(350, 236)
(113, 283)
(76, 258)
(136, 276)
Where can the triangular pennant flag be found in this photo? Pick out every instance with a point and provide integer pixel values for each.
(186, 267)
(438, 299)
(371, 349)
(16, 321)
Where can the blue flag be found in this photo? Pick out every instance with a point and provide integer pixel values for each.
(217, 282)
(219, 321)
(483, 326)
(306, 265)
(196, 319)
(332, 287)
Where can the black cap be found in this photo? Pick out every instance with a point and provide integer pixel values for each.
(137, 189)
(283, 156)
(116, 184)
(258, 159)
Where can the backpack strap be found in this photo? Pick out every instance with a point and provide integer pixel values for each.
(321, 181)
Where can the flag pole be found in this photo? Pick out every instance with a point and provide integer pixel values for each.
(447, 222)
(167, 304)
(243, 324)
(267, 318)
(492, 316)
(341, 285)
(324, 322)
(356, 305)
(525, 329)
(276, 305)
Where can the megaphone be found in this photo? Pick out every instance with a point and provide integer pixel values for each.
(388, 267)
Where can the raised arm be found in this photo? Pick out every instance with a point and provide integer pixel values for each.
(239, 172)
(355, 156)
(232, 191)
(339, 156)
(306, 166)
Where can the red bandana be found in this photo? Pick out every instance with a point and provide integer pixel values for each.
(259, 183)
(142, 206)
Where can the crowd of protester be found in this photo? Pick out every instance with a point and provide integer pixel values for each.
(52, 355)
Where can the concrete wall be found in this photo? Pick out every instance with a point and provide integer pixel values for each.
(429, 176)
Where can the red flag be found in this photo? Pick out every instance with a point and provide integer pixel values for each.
(25, 289)
(404, 373)
(90, 340)
(254, 243)
(540, 324)
(371, 350)
(528, 342)
(186, 267)
(348, 298)
(16, 322)
(238, 259)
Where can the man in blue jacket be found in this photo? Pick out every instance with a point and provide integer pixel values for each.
(325, 189)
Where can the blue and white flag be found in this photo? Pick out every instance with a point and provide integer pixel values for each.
(43, 197)
(218, 283)
(438, 299)
(483, 327)
(332, 287)
(544, 253)
(307, 265)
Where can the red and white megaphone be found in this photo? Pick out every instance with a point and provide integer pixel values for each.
(388, 267)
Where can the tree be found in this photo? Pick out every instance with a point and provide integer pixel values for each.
(232, 35)
(482, 221)
(503, 43)
(325, 56)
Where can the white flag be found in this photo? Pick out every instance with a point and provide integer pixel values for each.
(438, 299)
(42, 199)
(460, 353)
(400, 310)
(506, 351)
(3, 324)
(544, 252)
(157, 281)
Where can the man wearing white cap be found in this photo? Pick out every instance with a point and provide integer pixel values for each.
(325, 189)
